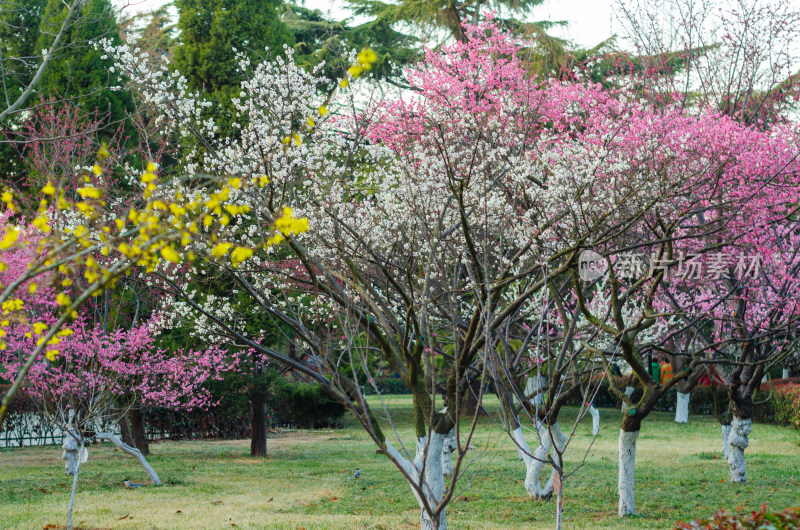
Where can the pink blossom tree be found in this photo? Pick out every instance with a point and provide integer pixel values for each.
(88, 367)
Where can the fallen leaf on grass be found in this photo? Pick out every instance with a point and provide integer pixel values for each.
(333, 499)
(123, 517)
(217, 502)
(179, 511)
(466, 498)
(42, 490)
(62, 527)
(270, 499)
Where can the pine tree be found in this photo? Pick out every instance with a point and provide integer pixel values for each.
(80, 74)
(319, 39)
(210, 31)
(19, 31)
(449, 15)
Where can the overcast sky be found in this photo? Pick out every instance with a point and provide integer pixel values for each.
(589, 20)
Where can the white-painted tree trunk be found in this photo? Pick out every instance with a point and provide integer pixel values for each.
(534, 464)
(74, 453)
(523, 449)
(533, 386)
(75, 473)
(785, 373)
(628, 392)
(133, 452)
(625, 482)
(682, 408)
(595, 420)
(737, 443)
(450, 445)
(725, 430)
(430, 480)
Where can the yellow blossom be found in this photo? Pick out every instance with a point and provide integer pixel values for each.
(240, 254)
(221, 249)
(169, 254)
(90, 192)
(103, 153)
(355, 70)
(12, 305)
(9, 238)
(49, 189)
(367, 56)
(42, 223)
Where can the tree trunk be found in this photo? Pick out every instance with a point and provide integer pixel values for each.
(725, 431)
(433, 483)
(534, 464)
(625, 484)
(628, 392)
(737, 442)
(470, 405)
(125, 430)
(450, 445)
(258, 440)
(682, 408)
(533, 387)
(138, 429)
(595, 420)
(741, 408)
(74, 453)
(136, 453)
(75, 474)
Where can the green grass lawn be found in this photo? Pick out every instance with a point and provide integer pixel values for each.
(303, 483)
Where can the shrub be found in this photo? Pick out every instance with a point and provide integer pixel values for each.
(387, 385)
(788, 519)
(701, 402)
(306, 404)
(783, 406)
